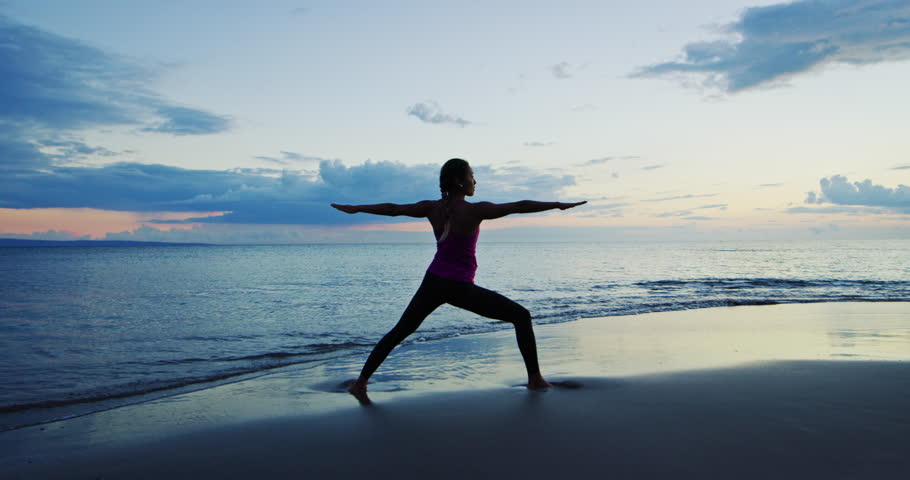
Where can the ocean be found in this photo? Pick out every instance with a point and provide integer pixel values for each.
(84, 329)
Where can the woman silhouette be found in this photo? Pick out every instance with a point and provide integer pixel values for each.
(450, 277)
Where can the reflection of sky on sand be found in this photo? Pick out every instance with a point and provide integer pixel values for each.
(728, 336)
(602, 347)
(885, 343)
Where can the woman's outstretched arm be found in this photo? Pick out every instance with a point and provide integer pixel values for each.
(489, 211)
(419, 209)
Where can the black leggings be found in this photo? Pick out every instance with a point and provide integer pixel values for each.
(433, 292)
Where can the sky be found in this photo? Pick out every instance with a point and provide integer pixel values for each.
(240, 122)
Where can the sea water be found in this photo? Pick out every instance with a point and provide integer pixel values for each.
(88, 328)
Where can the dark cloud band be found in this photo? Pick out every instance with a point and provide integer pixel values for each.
(775, 42)
(257, 196)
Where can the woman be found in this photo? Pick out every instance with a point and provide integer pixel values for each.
(450, 277)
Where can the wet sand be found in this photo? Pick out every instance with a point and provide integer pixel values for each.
(788, 391)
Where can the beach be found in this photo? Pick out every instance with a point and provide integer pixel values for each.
(772, 391)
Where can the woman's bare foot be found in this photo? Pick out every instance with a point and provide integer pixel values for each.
(359, 390)
(538, 383)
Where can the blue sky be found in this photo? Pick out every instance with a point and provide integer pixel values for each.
(238, 122)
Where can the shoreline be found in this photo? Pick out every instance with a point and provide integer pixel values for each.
(805, 356)
(67, 410)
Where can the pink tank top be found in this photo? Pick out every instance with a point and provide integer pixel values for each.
(455, 257)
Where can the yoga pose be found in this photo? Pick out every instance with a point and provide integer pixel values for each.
(450, 277)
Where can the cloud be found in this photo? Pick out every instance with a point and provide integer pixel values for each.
(289, 157)
(604, 199)
(652, 167)
(53, 87)
(561, 70)
(75, 148)
(188, 121)
(49, 235)
(601, 214)
(596, 161)
(905, 166)
(839, 190)
(688, 214)
(603, 160)
(57, 82)
(838, 210)
(259, 196)
(770, 185)
(680, 197)
(675, 213)
(770, 44)
(300, 156)
(608, 206)
(538, 144)
(273, 172)
(722, 206)
(517, 183)
(431, 112)
(232, 234)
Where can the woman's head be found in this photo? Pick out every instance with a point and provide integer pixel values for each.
(456, 177)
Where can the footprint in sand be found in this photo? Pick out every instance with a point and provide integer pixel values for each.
(566, 384)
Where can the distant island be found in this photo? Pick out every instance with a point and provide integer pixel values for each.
(23, 242)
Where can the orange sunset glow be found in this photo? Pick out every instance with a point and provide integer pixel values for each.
(79, 222)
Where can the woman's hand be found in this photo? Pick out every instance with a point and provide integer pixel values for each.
(564, 206)
(345, 208)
